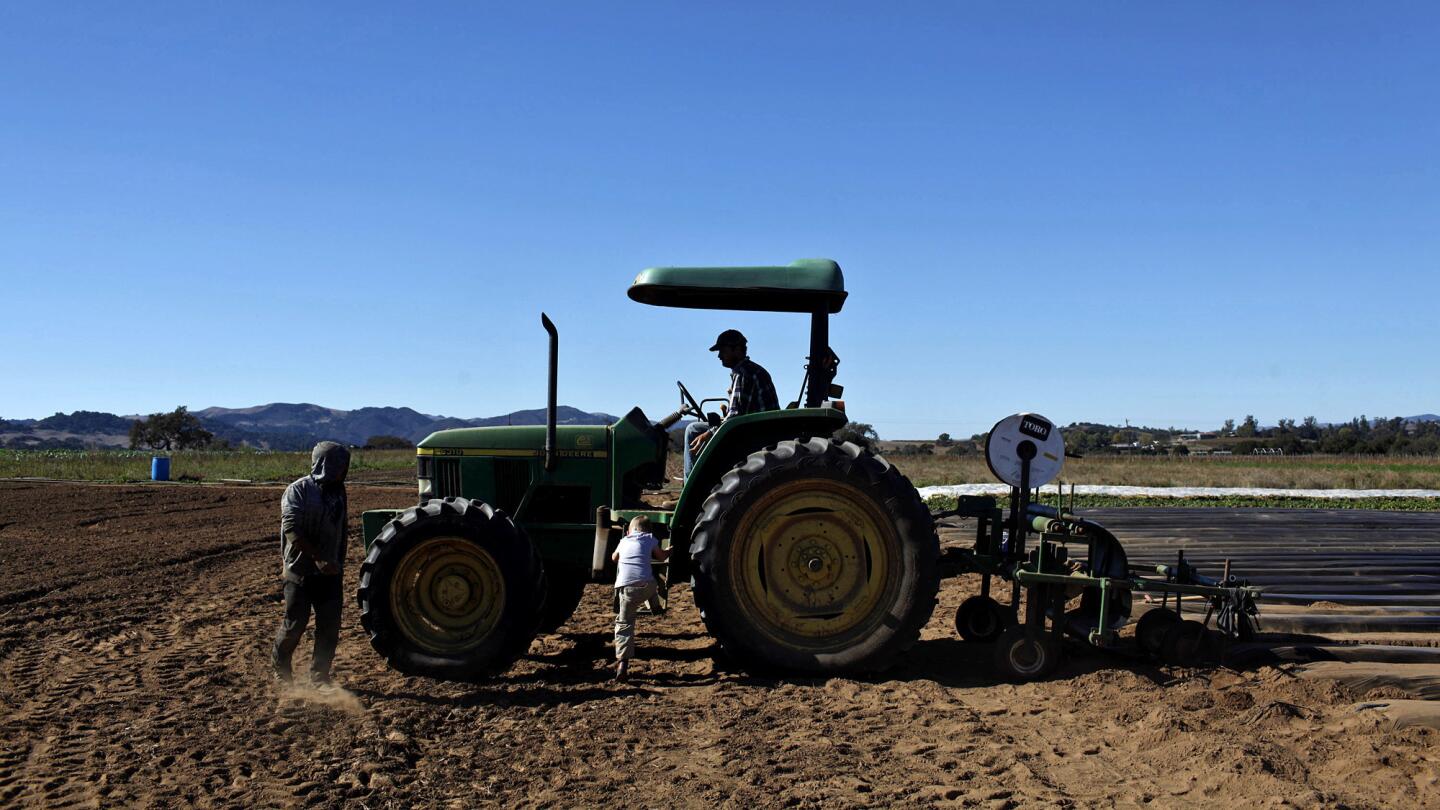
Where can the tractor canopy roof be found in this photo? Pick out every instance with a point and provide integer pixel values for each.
(809, 285)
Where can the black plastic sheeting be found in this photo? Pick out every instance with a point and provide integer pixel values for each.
(1382, 567)
(1254, 654)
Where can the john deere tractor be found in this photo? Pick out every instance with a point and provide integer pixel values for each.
(806, 554)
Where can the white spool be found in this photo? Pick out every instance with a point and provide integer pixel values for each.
(1003, 453)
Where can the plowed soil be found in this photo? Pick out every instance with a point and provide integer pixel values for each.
(135, 623)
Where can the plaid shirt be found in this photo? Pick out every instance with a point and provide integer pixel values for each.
(751, 390)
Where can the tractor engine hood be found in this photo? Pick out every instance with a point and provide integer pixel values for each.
(518, 441)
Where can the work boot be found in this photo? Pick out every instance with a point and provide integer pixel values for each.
(283, 674)
(622, 670)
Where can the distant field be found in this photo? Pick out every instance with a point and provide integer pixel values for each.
(1294, 472)
(1283, 472)
(134, 465)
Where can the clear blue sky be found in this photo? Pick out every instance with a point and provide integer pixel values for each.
(1168, 213)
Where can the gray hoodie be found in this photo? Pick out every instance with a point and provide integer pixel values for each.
(315, 508)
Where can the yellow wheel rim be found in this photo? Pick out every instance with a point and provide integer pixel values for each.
(447, 595)
(813, 560)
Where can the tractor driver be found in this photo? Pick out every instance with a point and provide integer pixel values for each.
(751, 391)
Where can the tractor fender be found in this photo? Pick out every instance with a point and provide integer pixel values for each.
(732, 443)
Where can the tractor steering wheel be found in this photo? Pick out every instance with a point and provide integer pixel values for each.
(688, 403)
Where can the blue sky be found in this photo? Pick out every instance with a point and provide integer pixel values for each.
(1167, 213)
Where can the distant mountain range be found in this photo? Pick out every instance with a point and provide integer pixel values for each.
(292, 426)
(278, 426)
(1424, 417)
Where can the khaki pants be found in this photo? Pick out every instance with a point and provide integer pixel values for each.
(631, 598)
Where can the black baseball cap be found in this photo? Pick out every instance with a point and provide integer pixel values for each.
(730, 337)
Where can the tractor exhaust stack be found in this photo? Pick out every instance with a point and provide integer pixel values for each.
(550, 393)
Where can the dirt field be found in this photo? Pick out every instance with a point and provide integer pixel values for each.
(134, 631)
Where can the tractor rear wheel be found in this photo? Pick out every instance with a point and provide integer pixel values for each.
(564, 588)
(451, 589)
(815, 556)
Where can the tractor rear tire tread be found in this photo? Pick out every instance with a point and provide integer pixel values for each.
(896, 497)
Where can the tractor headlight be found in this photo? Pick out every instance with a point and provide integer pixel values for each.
(425, 474)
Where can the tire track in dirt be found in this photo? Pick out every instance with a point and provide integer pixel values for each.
(13, 756)
(154, 652)
(199, 555)
(77, 653)
(72, 752)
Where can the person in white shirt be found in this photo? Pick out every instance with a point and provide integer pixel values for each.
(634, 586)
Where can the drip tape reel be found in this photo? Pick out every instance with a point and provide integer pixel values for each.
(1020, 436)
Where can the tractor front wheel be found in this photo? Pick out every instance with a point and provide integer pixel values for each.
(451, 589)
(815, 556)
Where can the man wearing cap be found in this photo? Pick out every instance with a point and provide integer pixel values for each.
(751, 391)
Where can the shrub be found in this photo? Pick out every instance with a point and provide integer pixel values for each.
(859, 433)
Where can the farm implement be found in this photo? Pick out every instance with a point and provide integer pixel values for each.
(1063, 593)
(805, 553)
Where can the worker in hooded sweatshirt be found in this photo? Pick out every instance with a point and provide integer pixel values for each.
(313, 526)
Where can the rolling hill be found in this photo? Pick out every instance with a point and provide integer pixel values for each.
(276, 426)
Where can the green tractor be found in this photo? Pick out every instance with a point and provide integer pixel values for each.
(806, 554)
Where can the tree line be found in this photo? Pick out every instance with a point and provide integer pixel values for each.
(1360, 436)
(1381, 436)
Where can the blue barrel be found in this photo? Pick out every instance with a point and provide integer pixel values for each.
(160, 468)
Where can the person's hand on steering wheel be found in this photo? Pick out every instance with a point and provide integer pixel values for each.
(699, 441)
